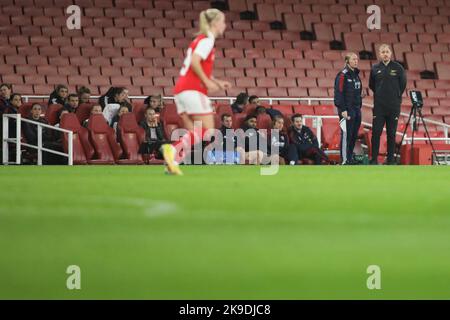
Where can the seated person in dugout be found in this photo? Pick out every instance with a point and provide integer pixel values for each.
(30, 132)
(72, 103)
(241, 102)
(155, 102)
(278, 139)
(271, 112)
(84, 95)
(254, 141)
(303, 143)
(154, 135)
(115, 121)
(228, 151)
(59, 95)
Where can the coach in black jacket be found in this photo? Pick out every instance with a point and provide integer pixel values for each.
(348, 100)
(388, 82)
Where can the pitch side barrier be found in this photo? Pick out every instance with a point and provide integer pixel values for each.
(39, 147)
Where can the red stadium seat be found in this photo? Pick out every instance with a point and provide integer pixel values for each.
(102, 137)
(238, 120)
(25, 109)
(249, 109)
(325, 110)
(139, 111)
(331, 134)
(83, 111)
(303, 109)
(170, 119)
(223, 109)
(52, 113)
(131, 137)
(285, 110)
(82, 148)
(264, 121)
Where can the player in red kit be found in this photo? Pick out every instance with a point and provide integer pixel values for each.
(193, 85)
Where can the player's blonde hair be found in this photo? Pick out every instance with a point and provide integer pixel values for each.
(206, 18)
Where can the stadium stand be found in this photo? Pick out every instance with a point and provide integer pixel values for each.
(140, 44)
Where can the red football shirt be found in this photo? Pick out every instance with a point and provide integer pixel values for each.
(203, 46)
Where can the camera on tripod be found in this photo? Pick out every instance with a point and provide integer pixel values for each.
(416, 99)
(415, 115)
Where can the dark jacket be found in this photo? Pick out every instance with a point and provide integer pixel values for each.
(30, 131)
(236, 108)
(347, 90)
(252, 134)
(302, 136)
(281, 141)
(69, 108)
(388, 84)
(55, 99)
(10, 109)
(228, 134)
(153, 133)
(273, 113)
(4, 105)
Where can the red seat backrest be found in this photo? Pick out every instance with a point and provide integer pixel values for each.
(331, 133)
(139, 111)
(52, 113)
(83, 111)
(263, 121)
(287, 110)
(25, 109)
(238, 120)
(103, 139)
(304, 109)
(82, 148)
(131, 136)
(217, 121)
(169, 114)
(170, 119)
(325, 110)
(249, 109)
(223, 109)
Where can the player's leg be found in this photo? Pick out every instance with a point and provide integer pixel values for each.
(197, 115)
(168, 152)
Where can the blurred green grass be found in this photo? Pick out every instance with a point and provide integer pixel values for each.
(225, 232)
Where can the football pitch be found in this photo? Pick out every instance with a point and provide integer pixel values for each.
(225, 232)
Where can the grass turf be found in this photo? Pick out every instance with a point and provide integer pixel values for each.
(225, 232)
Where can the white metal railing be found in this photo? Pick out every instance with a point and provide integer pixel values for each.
(40, 148)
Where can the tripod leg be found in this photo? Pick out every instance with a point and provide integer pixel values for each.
(404, 132)
(428, 135)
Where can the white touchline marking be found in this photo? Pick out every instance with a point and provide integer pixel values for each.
(153, 208)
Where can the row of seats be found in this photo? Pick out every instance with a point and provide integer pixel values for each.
(97, 143)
